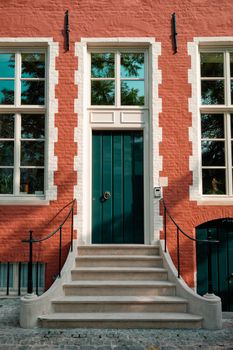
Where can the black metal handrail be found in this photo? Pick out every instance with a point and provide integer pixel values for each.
(179, 230)
(32, 240)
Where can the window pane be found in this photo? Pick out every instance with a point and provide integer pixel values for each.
(212, 126)
(6, 181)
(232, 126)
(32, 181)
(32, 153)
(103, 92)
(212, 65)
(132, 65)
(231, 63)
(232, 92)
(132, 93)
(212, 92)
(7, 92)
(213, 181)
(32, 92)
(33, 65)
(6, 153)
(7, 65)
(213, 153)
(7, 126)
(32, 126)
(102, 65)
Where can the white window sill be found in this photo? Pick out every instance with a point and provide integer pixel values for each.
(215, 200)
(23, 200)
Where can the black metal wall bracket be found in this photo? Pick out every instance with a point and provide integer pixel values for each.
(67, 31)
(174, 33)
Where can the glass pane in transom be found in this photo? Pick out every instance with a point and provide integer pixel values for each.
(212, 92)
(132, 93)
(7, 126)
(212, 126)
(213, 181)
(7, 65)
(103, 92)
(6, 181)
(102, 65)
(32, 181)
(132, 65)
(212, 65)
(7, 92)
(213, 153)
(32, 92)
(33, 65)
(32, 126)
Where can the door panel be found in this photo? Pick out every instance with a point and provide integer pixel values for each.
(222, 260)
(117, 167)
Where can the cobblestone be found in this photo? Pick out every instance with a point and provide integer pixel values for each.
(12, 337)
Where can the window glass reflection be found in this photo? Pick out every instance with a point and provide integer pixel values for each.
(212, 92)
(32, 92)
(213, 153)
(7, 65)
(33, 65)
(213, 181)
(132, 92)
(132, 65)
(6, 181)
(7, 92)
(7, 126)
(212, 126)
(212, 65)
(32, 181)
(102, 65)
(32, 126)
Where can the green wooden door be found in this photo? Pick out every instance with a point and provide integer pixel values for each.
(222, 260)
(117, 172)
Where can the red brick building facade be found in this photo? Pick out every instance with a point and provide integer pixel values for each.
(183, 91)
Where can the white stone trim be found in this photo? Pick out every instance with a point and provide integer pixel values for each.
(195, 191)
(82, 190)
(52, 108)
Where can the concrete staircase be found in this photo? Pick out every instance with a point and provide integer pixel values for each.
(119, 286)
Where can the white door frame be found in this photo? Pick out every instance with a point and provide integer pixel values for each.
(123, 119)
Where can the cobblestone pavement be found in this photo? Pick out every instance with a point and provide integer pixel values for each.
(13, 337)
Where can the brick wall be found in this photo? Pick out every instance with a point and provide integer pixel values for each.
(113, 18)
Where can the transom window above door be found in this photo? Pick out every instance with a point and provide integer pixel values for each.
(118, 78)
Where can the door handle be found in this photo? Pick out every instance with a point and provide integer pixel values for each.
(228, 279)
(106, 195)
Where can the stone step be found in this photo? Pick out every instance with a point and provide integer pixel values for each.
(119, 273)
(121, 320)
(118, 249)
(119, 261)
(120, 304)
(118, 288)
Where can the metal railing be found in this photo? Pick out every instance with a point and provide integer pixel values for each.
(209, 242)
(13, 278)
(33, 240)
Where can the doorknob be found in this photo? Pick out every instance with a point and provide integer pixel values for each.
(229, 277)
(106, 195)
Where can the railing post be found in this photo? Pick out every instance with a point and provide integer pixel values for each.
(72, 228)
(60, 251)
(30, 282)
(178, 250)
(210, 281)
(165, 228)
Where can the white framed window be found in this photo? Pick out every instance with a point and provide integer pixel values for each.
(118, 78)
(22, 122)
(216, 121)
